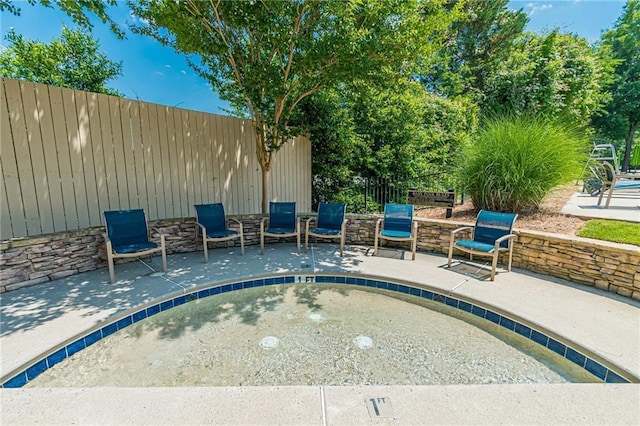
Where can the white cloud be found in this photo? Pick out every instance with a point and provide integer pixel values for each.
(537, 7)
(183, 72)
(137, 19)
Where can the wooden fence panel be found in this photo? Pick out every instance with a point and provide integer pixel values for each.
(88, 166)
(213, 147)
(101, 199)
(221, 164)
(75, 140)
(165, 174)
(69, 155)
(6, 230)
(206, 182)
(23, 157)
(137, 145)
(36, 152)
(12, 220)
(64, 162)
(147, 142)
(178, 162)
(106, 136)
(115, 109)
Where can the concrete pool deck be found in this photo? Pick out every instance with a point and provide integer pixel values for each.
(35, 319)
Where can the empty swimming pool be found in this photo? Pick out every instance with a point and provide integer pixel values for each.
(349, 332)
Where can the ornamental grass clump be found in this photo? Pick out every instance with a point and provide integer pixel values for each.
(514, 161)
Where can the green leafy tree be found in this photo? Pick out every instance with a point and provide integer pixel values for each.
(622, 119)
(76, 9)
(72, 61)
(265, 57)
(408, 131)
(553, 74)
(394, 130)
(478, 40)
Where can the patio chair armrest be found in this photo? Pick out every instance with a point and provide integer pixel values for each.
(262, 222)
(378, 223)
(107, 241)
(204, 229)
(307, 223)
(159, 232)
(464, 228)
(503, 238)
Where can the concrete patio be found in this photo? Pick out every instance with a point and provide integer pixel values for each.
(35, 319)
(624, 206)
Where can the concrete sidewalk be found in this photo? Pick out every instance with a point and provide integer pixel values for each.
(37, 318)
(624, 206)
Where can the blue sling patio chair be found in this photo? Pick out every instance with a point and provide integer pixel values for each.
(128, 236)
(282, 223)
(211, 225)
(330, 223)
(491, 236)
(397, 225)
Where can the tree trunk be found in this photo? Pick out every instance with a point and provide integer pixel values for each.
(265, 189)
(633, 126)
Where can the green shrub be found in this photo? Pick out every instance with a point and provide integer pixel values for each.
(514, 161)
(354, 199)
(612, 230)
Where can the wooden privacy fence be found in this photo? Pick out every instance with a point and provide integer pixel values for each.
(67, 155)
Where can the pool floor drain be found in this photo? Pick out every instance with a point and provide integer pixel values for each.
(363, 342)
(269, 342)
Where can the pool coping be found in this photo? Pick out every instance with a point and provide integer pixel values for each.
(584, 358)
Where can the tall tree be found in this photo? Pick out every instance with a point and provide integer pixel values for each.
(623, 110)
(72, 61)
(265, 57)
(478, 40)
(552, 74)
(76, 9)
(392, 130)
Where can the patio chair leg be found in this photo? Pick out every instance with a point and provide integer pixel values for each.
(112, 276)
(414, 244)
(494, 264)
(205, 247)
(164, 253)
(510, 254)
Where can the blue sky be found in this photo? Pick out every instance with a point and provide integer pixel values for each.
(154, 73)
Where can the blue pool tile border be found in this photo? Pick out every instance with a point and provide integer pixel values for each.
(573, 355)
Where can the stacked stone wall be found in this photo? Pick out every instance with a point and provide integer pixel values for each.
(607, 266)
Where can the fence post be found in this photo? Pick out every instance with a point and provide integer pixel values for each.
(450, 209)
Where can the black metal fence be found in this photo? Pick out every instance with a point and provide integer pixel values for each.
(378, 191)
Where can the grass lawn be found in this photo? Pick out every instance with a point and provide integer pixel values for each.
(612, 230)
